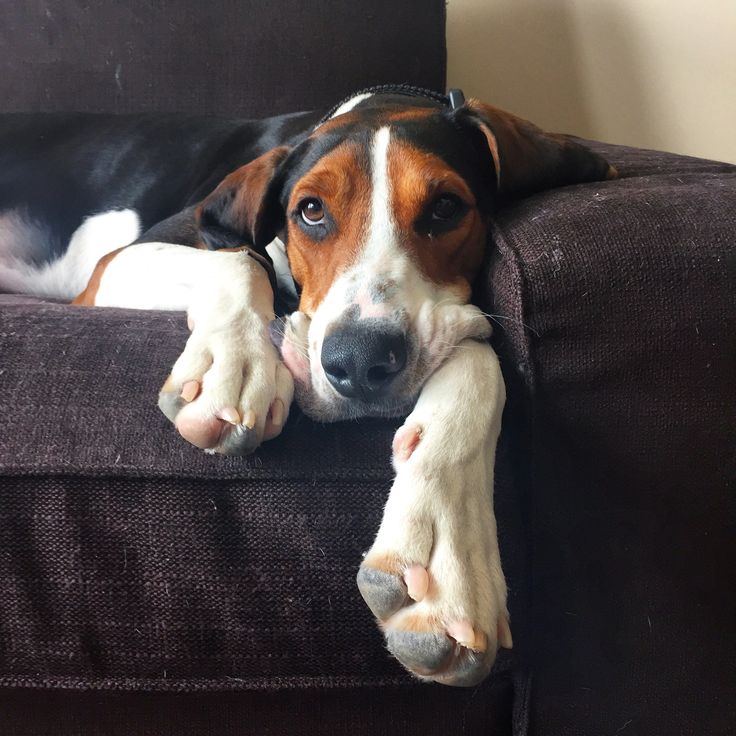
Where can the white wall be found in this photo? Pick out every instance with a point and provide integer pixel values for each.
(651, 73)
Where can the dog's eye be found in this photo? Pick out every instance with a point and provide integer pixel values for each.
(445, 207)
(312, 211)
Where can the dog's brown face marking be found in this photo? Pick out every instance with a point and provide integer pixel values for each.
(448, 250)
(318, 253)
(435, 214)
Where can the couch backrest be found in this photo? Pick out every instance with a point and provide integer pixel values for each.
(238, 58)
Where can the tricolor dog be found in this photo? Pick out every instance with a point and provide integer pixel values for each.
(379, 211)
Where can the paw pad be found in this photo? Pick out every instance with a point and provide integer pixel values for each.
(424, 653)
(383, 592)
(454, 652)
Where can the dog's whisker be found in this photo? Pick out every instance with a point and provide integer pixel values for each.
(497, 317)
(300, 350)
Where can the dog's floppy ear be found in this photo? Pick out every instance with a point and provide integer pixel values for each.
(244, 208)
(527, 159)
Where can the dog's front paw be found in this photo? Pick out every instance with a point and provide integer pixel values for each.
(433, 577)
(228, 391)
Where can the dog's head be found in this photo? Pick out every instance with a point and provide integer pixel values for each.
(384, 212)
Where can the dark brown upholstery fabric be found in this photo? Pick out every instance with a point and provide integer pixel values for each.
(237, 58)
(620, 306)
(125, 355)
(129, 560)
(416, 711)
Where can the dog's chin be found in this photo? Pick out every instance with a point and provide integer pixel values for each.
(336, 408)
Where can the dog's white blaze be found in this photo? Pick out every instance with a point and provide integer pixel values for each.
(68, 275)
(382, 229)
(382, 258)
(350, 104)
(374, 259)
(379, 234)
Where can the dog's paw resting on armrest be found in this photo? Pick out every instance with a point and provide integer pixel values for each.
(433, 577)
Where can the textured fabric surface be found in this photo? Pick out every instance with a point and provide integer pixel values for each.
(415, 711)
(618, 338)
(107, 366)
(234, 58)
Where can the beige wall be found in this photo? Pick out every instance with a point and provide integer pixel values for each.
(652, 73)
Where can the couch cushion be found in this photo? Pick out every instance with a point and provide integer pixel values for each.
(131, 560)
(95, 375)
(130, 554)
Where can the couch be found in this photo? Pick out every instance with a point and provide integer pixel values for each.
(148, 588)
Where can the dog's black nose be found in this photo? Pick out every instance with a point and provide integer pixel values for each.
(362, 361)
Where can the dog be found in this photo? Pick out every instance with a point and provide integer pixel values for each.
(371, 220)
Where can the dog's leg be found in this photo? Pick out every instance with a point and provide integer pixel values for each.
(433, 577)
(228, 391)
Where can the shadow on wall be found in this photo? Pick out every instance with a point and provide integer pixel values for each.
(545, 62)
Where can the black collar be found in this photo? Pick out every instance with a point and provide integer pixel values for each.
(453, 99)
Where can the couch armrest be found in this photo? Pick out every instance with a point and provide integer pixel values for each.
(617, 303)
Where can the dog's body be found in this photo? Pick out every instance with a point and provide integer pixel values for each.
(382, 208)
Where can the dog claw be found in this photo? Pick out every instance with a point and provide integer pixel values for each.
(416, 578)
(464, 634)
(249, 419)
(277, 413)
(230, 415)
(405, 442)
(190, 391)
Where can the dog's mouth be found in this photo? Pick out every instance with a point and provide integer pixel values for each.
(371, 368)
(328, 409)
